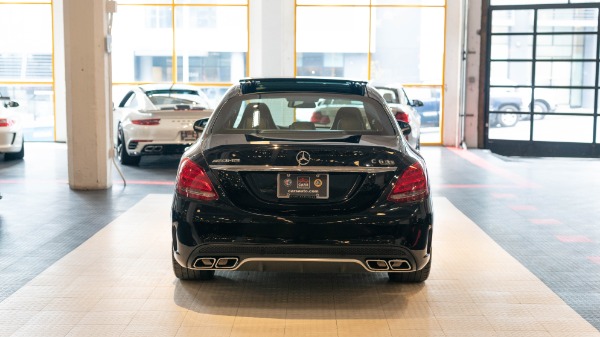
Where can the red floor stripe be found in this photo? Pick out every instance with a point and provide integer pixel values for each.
(478, 161)
(573, 238)
(523, 207)
(545, 222)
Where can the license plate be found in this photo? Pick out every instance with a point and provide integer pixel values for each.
(302, 185)
(189, 136)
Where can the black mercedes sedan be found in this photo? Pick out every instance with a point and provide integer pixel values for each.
(266, 189)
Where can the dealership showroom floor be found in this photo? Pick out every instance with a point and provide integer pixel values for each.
(516, 241)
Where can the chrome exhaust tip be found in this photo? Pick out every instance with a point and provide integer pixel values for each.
(204, 263)
(377, 265)
(226, 263)
(400, 265)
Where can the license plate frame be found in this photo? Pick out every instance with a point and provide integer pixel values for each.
(303, 185)
(188, 135)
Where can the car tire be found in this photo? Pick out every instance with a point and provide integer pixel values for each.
(539, 106)
(411, 277)
(510, 117)
(16, 155)
(184, 273)
(122, 155)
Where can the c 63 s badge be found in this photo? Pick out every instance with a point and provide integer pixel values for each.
(216, 161)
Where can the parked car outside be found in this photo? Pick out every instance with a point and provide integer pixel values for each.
(263, 191)
(12, 142)
(506, 107)
(157, 119)
(404, 109)
(505, 95)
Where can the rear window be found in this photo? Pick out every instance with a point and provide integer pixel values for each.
(176, 99)
(288, 113)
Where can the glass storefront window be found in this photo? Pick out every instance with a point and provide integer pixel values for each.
(410, 2)
(398, 59)
(212, 2)
(333, 2)
(567, 20)
(565, 46)
(20, 59)
(512, 21)
(510, 47)
(209, 45)
(36, 109)
(570, 129)
(520, 131)
(142, 53)
(327, 45)
(565, 73)
(510, 73)
(26, 65)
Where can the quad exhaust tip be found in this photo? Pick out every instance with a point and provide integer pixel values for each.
(205, 263)
(377, 265)
(152, 148)
(226, 262)
(394, 265)
(216, 263)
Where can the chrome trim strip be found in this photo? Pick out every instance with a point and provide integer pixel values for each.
(285, 259)
(265, 168)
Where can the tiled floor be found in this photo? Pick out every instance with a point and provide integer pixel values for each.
(98, 264)
(120, 283)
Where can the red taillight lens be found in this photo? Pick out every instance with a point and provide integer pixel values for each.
(192, 182)
(318, 118)
(152, 121)
(411, 186)
(402, 116)
(6, 122)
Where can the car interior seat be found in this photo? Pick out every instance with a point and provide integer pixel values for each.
(388, 97)
(348, 118)
(257, 116)
(302, 126)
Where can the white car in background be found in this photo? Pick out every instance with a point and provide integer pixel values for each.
(12, 143)
(404, 110)
(157, 119)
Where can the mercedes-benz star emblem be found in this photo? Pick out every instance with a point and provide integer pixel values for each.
(303, 158)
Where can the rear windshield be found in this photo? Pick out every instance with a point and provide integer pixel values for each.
(169, 99)
(295, 113)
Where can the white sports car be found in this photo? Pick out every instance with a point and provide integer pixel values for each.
(157, 119)
(11, 130)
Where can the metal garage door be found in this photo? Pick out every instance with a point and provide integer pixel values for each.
(542, 81)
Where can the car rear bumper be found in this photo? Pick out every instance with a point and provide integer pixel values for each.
(155, 148)
(303, 258)
(341, 242)
(10, 142)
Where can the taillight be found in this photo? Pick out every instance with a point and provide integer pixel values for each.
(411, 186)
(192, 182)
(402, 116)
(151, 121)
(6, 122)
(318, 118)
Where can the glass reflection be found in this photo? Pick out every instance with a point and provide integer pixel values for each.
(35, 110)
(571, 129)
(519, 131)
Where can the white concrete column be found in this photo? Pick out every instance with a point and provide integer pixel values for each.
(452, 74)
(87, 94)
(272, 40)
